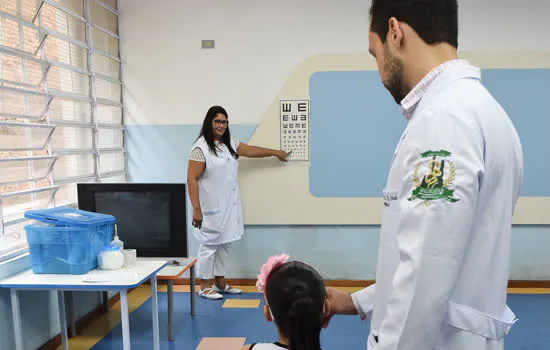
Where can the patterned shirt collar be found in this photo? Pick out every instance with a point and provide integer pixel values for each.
(409, 103)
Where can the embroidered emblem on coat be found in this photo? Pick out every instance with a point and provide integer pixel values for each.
(438, 173)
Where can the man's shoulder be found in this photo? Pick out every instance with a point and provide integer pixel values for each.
(464, 101)
(464, 95)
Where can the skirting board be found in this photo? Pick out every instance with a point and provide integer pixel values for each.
(366, 283)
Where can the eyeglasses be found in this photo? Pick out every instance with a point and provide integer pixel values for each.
(222, 122)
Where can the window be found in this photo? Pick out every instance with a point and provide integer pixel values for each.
(60, 106)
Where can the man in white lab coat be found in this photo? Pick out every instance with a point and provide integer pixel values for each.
(450, 195)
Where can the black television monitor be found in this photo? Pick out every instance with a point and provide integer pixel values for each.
(151, 218)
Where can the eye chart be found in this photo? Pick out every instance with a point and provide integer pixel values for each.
(295, 129)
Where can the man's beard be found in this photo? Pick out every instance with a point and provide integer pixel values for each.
(394, 83)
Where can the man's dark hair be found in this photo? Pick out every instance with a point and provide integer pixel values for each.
(435, 21)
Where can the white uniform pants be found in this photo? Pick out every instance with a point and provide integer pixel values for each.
(212, 260)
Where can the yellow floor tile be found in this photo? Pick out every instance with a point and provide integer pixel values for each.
(248, 289)
(241, 303)
(221, 344)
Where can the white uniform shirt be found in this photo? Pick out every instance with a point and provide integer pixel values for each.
(219, 196)
(445, 239)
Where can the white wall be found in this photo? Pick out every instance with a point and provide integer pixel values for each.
(171, 80)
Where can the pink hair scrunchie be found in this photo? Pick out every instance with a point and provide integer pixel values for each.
(266, 269)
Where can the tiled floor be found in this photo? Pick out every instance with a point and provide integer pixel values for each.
(229, 323)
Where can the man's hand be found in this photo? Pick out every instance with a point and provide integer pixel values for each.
(338, 303)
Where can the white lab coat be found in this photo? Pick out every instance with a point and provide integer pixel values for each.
(444, 251)
(219, 197)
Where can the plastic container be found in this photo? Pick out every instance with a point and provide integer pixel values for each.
(66, 240)
(116, 241)
(110, 258)
(130, 257)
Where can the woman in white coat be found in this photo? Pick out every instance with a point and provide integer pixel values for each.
(212, 181)
(450, 195)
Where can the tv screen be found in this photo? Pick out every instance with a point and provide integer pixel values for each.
(151, 218)
(143, 218)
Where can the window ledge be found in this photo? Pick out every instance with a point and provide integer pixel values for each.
(12, 253)
(15, 265)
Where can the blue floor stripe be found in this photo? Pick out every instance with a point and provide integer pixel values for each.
(345, 332)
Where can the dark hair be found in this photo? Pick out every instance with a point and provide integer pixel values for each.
(295, 293)
(208, 133)
(435, 21)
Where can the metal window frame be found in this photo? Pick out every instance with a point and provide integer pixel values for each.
(64, 9)
(23, 93)
(112, 150)
(46, 62)
(111, 126)
(71, 124)
(106, 31)
(106, 54)
(66, 151)
(74, 179)
(27, 125)
(43, 31)
(106, 78)
(108, 7)
(123, 111)
(51, 94)
(34, 190)
(109, 174)
(27, 159)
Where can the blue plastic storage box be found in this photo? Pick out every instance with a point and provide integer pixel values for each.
(66, 240)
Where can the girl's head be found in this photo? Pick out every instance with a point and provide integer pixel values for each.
(295, 297)
(216, 127)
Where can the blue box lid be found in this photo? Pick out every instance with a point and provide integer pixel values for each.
(64, 216)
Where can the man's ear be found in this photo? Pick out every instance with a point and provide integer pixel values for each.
(395, 33)
(267, 314)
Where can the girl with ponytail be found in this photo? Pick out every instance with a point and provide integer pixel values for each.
(295, 301)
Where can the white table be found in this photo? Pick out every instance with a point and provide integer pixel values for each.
(96, 280)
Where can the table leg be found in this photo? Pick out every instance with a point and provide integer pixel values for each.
(125, 316)
(105, 297)
(192, 291)
(170, 309)
(154, 301)
(16, 313)
(63, 319)
(71, 312)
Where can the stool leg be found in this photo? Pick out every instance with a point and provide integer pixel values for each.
(192, 291)
(170, 310)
